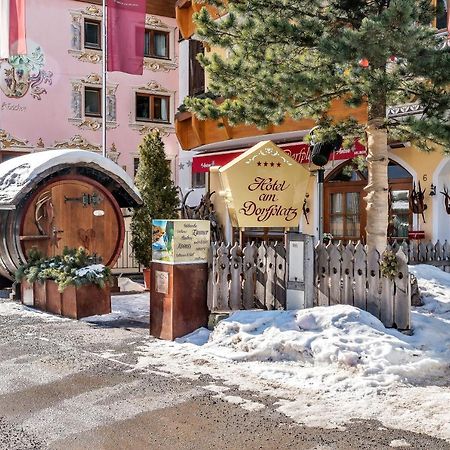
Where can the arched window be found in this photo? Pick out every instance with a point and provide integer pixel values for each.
(345, 208)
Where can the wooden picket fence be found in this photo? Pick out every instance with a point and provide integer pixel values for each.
(437, 254)
(255, 276)
(351, 276)
(247, 277)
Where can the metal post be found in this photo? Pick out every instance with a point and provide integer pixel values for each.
(104, 70)
(320, 179)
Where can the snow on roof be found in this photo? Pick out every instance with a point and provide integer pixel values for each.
(19, 175)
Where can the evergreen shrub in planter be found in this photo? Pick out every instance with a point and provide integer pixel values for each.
(73, 284)
(159, 195)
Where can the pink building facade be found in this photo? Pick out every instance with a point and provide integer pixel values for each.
(49, 99)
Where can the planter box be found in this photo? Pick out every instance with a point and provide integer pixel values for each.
(178, 303)
(84, 301)
(40, 296)
(53, 298)
(27, 293)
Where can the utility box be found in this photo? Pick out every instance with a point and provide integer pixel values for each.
(179, 277)
(300, 265)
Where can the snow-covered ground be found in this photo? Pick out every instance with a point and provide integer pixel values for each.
(329, 365)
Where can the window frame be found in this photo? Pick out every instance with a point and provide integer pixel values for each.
(331, 187)
(99, 95)
(196, 182)
(99, 24)
(152, 53)
(445, 28)
(151, 98)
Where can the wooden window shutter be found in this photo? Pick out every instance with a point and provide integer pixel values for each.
(196, 71)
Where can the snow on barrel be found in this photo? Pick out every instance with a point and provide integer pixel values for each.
(62, 198)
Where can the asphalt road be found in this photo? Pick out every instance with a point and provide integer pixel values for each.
(59, 391)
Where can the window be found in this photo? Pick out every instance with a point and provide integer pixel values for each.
(152, 108)
(345, 208)
(135, 165)
(156, 44)
(198, 179)
(442, 14)
(92, 34)
(92, 102)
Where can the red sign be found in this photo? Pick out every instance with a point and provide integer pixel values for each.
(416, 234)
(298, 151)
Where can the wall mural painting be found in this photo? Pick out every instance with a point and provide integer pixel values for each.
(24, 74)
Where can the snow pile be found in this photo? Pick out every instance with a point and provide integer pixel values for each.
(94, 270)
(128, 285)
(435, 289)
(341, 336)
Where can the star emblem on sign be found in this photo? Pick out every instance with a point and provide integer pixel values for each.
(278, 164)
(272, 164)
(266, 164)
(259, 163)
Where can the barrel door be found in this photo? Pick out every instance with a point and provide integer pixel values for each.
(73, 212)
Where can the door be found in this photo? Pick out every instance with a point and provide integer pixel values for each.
(73, 213)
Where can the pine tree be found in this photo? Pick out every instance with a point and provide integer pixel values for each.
(159, 195)
(294, 57)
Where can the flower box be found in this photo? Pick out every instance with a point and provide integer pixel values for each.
(84, 301)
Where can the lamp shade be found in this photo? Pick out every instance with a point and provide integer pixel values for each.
(321, 151)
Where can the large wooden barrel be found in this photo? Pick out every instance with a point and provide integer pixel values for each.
(80, 207)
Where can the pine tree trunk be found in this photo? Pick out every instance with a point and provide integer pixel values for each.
(377, 186)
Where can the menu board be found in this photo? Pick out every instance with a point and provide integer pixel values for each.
(180, 241)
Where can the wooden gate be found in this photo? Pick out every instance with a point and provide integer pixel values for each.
(247, 277)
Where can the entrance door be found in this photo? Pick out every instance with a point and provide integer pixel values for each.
(73, 213)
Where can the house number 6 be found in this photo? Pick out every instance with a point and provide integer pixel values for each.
(425, 177)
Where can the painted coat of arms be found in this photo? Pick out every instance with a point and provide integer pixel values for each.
(24, 73)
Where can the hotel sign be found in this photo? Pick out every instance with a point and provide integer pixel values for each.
(264, 187)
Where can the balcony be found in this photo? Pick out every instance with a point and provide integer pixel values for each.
(184, 11)
(193, 133)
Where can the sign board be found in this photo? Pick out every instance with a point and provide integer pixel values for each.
(264, 187)
(298, 151)
(180, 241)
(419, 234)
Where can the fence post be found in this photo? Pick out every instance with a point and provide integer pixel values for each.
(360, 270)
(373, 281)
(260, 290)
(270, 276)
(248, 290)
(223, 267)
(335, 274)
(387, 300)
(402, 298)
(280, 273)
(347, 276)
(235, 301)
(323, 275)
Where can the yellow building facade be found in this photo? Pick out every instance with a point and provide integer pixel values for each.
(341, 211)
